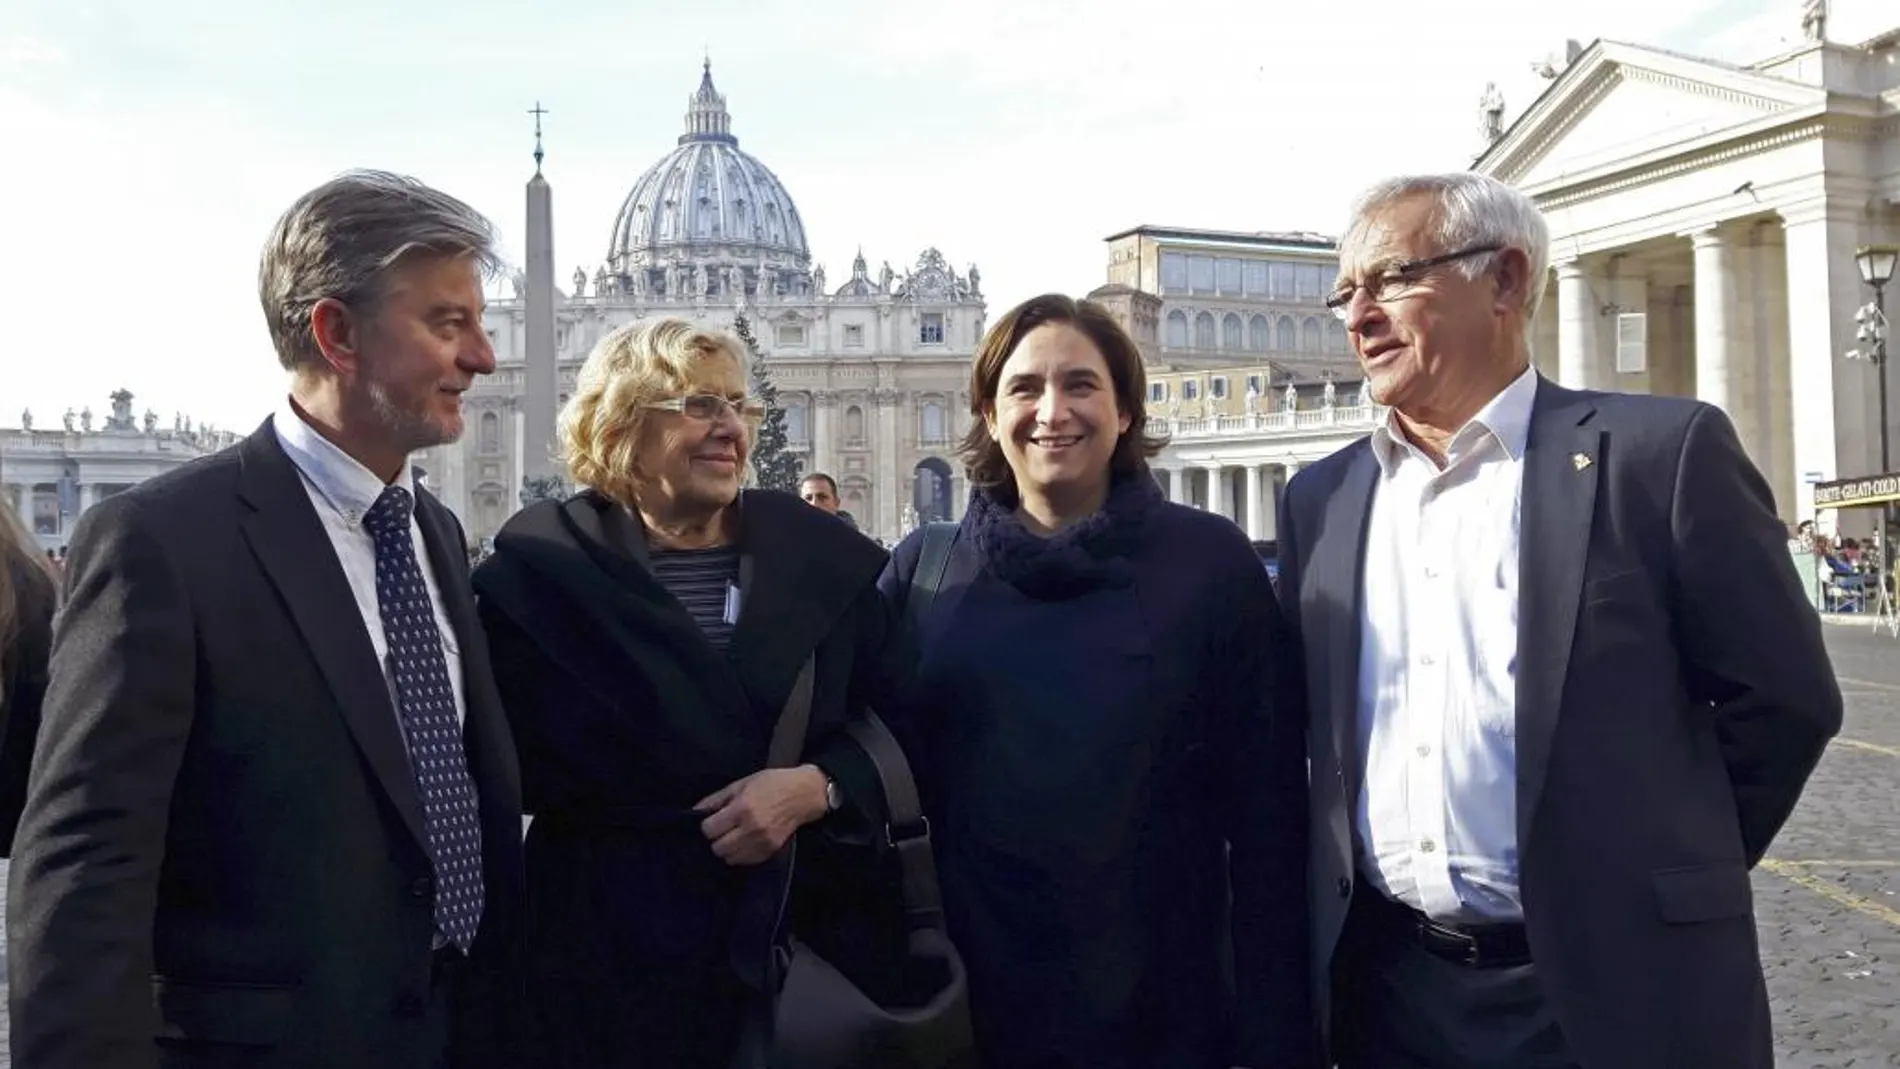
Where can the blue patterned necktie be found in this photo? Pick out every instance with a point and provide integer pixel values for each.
(425, 703)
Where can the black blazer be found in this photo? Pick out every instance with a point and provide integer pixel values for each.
(222, 846)
(24, 686)
(625, 716)
(1673, 694)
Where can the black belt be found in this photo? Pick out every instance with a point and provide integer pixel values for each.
(1477, 946)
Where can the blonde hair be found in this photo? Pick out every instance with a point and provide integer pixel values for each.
(636, 365)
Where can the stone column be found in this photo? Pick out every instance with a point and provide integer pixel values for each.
(1259, 524)
(892, 483)
(1217, 490)
(1576, 326)
(1178, 485)
(1772, 416)
(823, 405)
(1833, 400)
(1715, 322)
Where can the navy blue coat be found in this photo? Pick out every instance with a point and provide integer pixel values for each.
(1089, 754)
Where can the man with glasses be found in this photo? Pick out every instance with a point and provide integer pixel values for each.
(1564, 684)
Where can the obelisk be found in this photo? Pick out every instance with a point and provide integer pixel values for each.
(542, 363)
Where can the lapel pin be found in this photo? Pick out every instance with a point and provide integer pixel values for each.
(1580, 460)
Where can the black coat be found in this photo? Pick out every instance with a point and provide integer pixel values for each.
(1673, 693)
(1112, 746)
(221, 859)
(626, 716)
(24, 686)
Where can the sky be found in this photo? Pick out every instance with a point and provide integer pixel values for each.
(147, 146)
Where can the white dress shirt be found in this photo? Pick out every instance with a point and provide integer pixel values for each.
(1436, 815)
(343, 491)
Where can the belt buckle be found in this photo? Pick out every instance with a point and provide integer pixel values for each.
(1457, 946)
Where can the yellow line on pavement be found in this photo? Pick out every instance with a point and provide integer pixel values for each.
(1870, 747)
(1833, 893)
(1847, 681)
(1833, 863)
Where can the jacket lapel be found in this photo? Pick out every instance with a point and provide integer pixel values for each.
(1334, 587)
(289, 541)
(1563, 461)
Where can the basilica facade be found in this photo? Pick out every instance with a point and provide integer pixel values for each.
(872, 369)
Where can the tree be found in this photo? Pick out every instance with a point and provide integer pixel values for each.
(777, 467)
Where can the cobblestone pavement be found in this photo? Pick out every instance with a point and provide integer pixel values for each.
(1827, 900)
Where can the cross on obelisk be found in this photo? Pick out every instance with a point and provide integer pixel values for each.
(537, 111)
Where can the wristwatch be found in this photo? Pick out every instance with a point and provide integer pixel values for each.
(834, 798)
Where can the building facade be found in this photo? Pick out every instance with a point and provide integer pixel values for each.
(50, 476)
(1234, 441)
(1703, 222)
(1228, 297)
(872, 370)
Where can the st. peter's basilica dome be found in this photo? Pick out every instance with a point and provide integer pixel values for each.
(708, 210)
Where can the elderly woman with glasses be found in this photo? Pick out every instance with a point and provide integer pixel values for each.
(647, 634)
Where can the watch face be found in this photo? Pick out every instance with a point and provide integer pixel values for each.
(833, 796)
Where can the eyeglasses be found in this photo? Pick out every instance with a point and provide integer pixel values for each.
(1392, 283)
(710, 407)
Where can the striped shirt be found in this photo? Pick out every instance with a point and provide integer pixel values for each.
(700, 579)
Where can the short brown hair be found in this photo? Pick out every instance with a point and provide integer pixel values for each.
(983, 455)
(341, 239)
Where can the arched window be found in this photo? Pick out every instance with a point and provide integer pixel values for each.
(1336, 337)
(854, 424)
(1204, 331)
(491, 432)
(797, 427)
(1259, 334)
(1177, 330)
(1230, 332)
(1286, 335)
(1310, 336)
(933, 429)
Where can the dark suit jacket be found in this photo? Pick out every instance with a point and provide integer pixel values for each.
(1673, 694)
(222, 846)
(626, 716)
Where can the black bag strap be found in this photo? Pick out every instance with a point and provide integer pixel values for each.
(908, 830)
(927, 580)
(788, 735)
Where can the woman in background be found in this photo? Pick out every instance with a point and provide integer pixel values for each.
(1101, 700)
(28, 596)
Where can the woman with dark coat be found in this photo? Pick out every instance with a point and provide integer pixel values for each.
(646, 635)
(28, 595)
(1101, 698)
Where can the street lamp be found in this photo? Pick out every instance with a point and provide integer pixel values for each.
(1876, 263)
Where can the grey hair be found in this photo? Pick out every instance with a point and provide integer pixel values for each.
(340, 241)
(1473, 209)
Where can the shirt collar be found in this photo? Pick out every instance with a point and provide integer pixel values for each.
(344, 483)
(1506, 419)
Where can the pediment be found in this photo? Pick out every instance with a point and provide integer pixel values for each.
(1621, 102)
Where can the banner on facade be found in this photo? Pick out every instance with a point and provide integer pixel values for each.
(1856, 493)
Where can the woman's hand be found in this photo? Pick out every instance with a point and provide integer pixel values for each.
(752, 819)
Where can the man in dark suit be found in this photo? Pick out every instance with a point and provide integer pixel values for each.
(1564, 684)
(276, 818)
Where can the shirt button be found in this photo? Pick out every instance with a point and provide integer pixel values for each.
(1427, 659)
(410, 1004)
(1345, 887)
(1424, 751)
(1426, 846)
(1431, 571)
